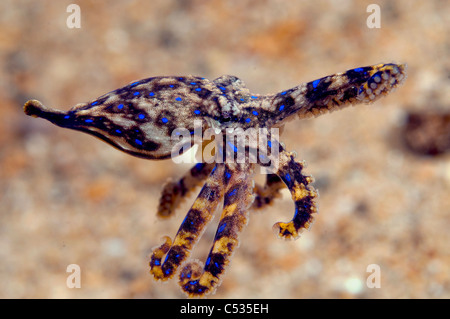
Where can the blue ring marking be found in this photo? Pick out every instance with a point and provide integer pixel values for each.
(67, 116)
(165, 259)
(151, 94)
(167, 271)
(118, 131)
(164, 120)
(288, 177)
(89, 121)
(94, 103)
(242, 99)
(255, 113)
(138, 141)
(171, 85)
(157, 262)
(269, 143)
(358, 69)
(283, 93)
(178, 99)
(120, 106)
(227, 175)
(222, 88)
(315, 83)
(141, 116)
(254, 97)
(198, 89)
(248, 120)
(232, 193)
(134, 84)
(361, 89)
(207, 261)
(281, 108)
(233, 146)
(221, 228)
(199, 166)
(197, 112)
(136, 93)
(193, 83)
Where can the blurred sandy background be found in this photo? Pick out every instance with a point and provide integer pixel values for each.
(68, 198)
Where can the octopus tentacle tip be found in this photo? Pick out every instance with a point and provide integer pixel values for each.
(33, 108)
